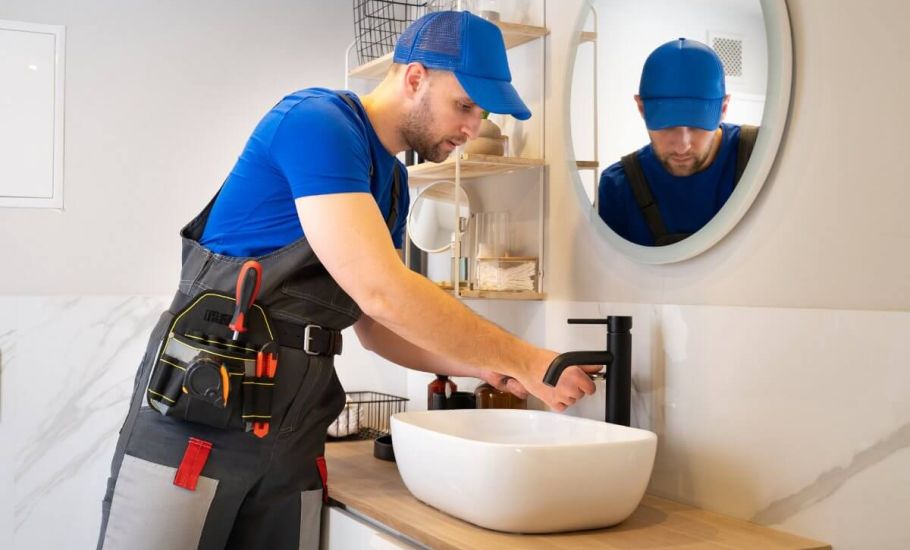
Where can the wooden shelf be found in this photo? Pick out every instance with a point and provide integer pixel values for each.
(587, 164)
(472, 166)
(516, 34)
(528, 295)
(513, 34)
(374, 70)
(525, 295)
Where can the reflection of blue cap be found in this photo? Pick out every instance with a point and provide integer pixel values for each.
(470, 47)
(682, 84)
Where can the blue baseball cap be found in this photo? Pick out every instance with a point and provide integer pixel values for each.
(470, 47)
(682, 84)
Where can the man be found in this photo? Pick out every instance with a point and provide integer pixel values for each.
(318, 199)
(669, 189)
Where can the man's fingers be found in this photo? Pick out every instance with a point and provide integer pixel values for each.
(515, 388)
(574, 383)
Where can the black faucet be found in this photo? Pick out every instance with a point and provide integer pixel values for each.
(618, 360)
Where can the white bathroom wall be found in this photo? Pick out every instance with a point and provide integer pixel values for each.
(160, 99)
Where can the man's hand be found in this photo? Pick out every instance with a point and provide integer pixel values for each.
(574, 383)
(503, 382)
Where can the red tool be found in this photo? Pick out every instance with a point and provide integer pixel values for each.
(266, 365)
(248, 281)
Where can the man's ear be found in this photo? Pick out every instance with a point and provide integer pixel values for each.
(641, 105)
(415, 74)
(723, 107)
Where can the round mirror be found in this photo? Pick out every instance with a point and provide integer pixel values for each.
(677, 110)
(432, 220)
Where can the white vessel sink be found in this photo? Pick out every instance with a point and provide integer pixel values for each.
(523, 471)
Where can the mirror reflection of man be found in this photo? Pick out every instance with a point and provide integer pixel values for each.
(673, 186)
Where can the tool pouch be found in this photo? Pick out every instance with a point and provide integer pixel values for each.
(202, 375)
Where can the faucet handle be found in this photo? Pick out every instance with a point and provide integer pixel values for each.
(615, 323)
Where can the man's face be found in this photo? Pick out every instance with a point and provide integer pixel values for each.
(443, 117)
(683, 150)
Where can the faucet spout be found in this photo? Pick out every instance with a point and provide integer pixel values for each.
(571, 358)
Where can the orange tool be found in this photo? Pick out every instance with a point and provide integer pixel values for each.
(266, 365)
(248, 281)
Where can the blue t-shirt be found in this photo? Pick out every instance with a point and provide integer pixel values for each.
(310, 143)
(686, 203)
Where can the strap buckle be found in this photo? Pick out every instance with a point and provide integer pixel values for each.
(307, 338)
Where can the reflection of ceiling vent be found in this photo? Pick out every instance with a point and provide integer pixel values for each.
(730, 51)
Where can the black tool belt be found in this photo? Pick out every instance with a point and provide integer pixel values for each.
(202, 375)
(312, 339)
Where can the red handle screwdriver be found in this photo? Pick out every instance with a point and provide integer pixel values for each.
(266, 365)
(248, 281)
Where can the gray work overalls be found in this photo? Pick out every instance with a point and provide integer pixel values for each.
(252, 493)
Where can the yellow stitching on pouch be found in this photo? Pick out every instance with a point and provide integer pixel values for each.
(173, 364)
(234, 357)
(218, 343)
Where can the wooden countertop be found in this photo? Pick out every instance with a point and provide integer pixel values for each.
(373, 488)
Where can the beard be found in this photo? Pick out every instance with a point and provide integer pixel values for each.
(417, 135)
(681, 168)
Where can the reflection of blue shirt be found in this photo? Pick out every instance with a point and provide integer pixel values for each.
(686, 203)
(310, 143)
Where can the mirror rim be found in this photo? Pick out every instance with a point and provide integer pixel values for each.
(775, 119)
(409, 222)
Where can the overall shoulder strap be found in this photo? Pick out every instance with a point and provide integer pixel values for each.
(747, 136)
(643, 196)
(396, 194)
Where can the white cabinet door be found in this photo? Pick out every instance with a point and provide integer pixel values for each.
(343, 531)
(31, 111)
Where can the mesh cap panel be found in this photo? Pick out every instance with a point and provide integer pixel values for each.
(437, 46)
(441, 44)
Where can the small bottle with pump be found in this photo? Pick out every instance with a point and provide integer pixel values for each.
(441, 385)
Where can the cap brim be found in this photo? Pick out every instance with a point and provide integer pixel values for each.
(663, 113)
(496, 96)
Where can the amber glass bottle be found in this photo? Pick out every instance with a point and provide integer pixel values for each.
(442, 385)
(488, 397)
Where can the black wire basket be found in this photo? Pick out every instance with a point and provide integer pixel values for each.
(377, 24)
(366, 415)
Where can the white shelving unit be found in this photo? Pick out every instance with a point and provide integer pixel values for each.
(462, 167)
(589, 37)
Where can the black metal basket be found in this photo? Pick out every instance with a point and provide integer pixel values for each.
(366, 415)
(377, 24)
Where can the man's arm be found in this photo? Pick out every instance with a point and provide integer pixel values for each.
(396, 349)
(348, 235)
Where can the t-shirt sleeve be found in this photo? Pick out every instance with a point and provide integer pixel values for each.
(321, 149)
(612, 202)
